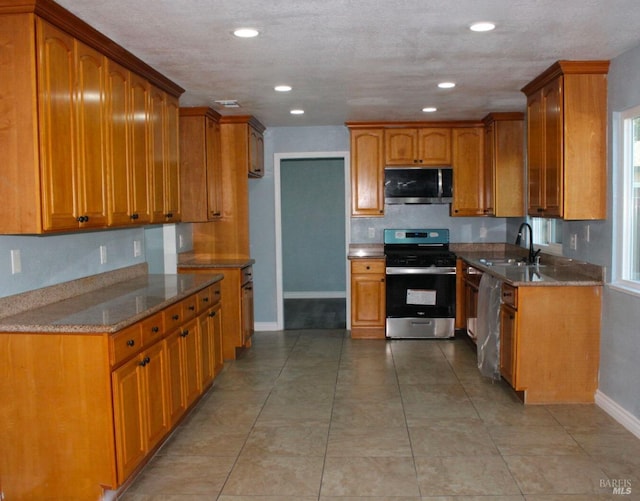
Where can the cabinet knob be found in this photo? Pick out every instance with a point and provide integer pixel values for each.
(216, 214)
(169, 215)
(144, 361)
(131, 342)
(192, 308)
(540, 209)
(212, 314)
(134, 216)
(175, 317)
(155, 328)
(184, 333)
(206, 299)
(82, 219)
(368, 267)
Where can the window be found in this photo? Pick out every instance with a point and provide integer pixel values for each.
(627, 202)
(547, 233)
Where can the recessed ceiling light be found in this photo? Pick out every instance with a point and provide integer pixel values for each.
(482, 26)
(429, 109)
(282, 88)
(297, 112)
(246, 32)
(446, 85)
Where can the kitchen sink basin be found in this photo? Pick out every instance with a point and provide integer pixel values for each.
(507, 262)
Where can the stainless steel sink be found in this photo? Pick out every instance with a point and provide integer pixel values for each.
(508, 262)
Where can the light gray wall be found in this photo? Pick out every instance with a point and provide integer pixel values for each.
(336, 138)
(313, 241)
(52, 259)
(620, 339)
(262, 204)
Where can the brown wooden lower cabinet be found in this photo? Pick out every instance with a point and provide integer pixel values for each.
(368, 290)
(550, 342)
(83, 412)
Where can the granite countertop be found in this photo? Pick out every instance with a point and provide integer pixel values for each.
(554, 270)
(109, 308)
(192, 260)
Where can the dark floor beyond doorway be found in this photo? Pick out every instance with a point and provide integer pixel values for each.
(330, 313)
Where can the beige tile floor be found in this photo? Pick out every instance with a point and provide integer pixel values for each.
(315, 416)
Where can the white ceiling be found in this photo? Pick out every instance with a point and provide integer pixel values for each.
(353, 60)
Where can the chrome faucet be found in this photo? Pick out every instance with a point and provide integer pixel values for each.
(532, 255)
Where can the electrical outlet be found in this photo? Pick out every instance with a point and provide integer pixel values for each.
(103, 254)
(180, 241)
(16, 261)
(372, 233)
(137, 248)
(587, 233)
(573, 242)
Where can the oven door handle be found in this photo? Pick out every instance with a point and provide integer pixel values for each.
(432, 270)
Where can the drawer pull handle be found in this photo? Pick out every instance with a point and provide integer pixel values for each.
(131, 342)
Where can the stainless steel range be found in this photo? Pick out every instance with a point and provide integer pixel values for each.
(420, 284)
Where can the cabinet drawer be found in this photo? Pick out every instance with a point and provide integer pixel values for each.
(208, 297)
(510, 295)
(173, 317)
(368, 266)
(152, 329)
(125, 343)
(190, 306)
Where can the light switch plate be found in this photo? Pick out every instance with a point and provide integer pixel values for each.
(137, 248)
(103, 254)
(16, 261)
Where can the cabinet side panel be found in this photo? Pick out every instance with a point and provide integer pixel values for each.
(20, 210)
(56, 420)
(585, 128)
(558, 352)
(193, 169)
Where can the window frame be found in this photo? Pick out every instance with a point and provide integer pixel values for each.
(544, 242)
(622, 200)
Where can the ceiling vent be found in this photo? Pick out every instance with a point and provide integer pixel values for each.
(228, 103)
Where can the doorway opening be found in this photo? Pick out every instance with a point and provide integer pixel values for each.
(312, 237)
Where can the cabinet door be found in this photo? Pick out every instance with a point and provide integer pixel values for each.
(535, 154)
(140, 183)
(256, 153)
(434, 146)
(190, 362)
(508, 340)
(91, 138)
(172, 155)
(215, 321)
(367, 300)
(205, 334)
(508, 168)
(174, 376)
(468, 172)
(56, 81)
(247, 314)
(156, 394)
(157, 160)
(401, 147)
(214, 169)
(488, 168)
(128, 393)
(367, 172)
(118, 93)
(553, 148)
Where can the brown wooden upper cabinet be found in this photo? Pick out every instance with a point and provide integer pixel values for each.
(256, 150)
(367, 172)
(200, 169)
(78, 149)
(468, 172)
(503, 182)
(566, 140)
(419, 146)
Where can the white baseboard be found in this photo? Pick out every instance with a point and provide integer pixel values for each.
(265, 326)
(314, 294)
(620, 414)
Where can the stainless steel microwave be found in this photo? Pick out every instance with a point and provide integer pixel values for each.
(418, 185)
